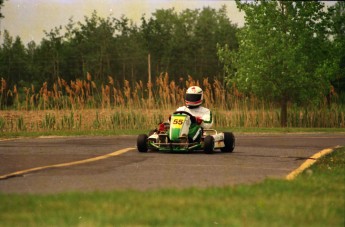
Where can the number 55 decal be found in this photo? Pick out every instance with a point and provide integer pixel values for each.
(178, 121)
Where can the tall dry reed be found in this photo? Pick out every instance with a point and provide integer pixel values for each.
(82, 105)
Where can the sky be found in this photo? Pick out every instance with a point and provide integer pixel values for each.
(29, 18)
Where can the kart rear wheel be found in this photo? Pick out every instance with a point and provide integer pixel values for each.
(229, 142)
(209, 144)
(142, 143)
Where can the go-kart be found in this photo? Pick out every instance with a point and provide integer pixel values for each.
(173, 137)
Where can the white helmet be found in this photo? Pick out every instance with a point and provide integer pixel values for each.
(194, 96)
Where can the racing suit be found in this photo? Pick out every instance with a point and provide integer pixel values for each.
(195, 130)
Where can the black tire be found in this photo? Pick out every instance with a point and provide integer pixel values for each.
(229, 142)
(142, 143)
(209, 144)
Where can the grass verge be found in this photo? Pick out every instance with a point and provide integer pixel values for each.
(140, 131)
(314, 198)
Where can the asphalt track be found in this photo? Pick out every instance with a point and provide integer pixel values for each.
(255, 158)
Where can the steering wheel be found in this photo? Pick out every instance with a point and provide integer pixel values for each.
(192, 118)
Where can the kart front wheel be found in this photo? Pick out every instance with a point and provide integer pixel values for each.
(142, 143)
(229, 142)
(209, 144)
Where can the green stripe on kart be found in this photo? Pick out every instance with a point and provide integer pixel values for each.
(175, 134)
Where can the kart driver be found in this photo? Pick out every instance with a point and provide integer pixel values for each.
(194, 99)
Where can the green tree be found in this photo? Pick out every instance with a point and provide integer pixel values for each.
(13, 56)
(338, 28)
(32, 63)
(186, 43)
(130, 51)
(283, 49)
(1, 5)
(213, 27)
(5, 55)
(93, 40)
(158, 33)
(179, 43)
(54, 47)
